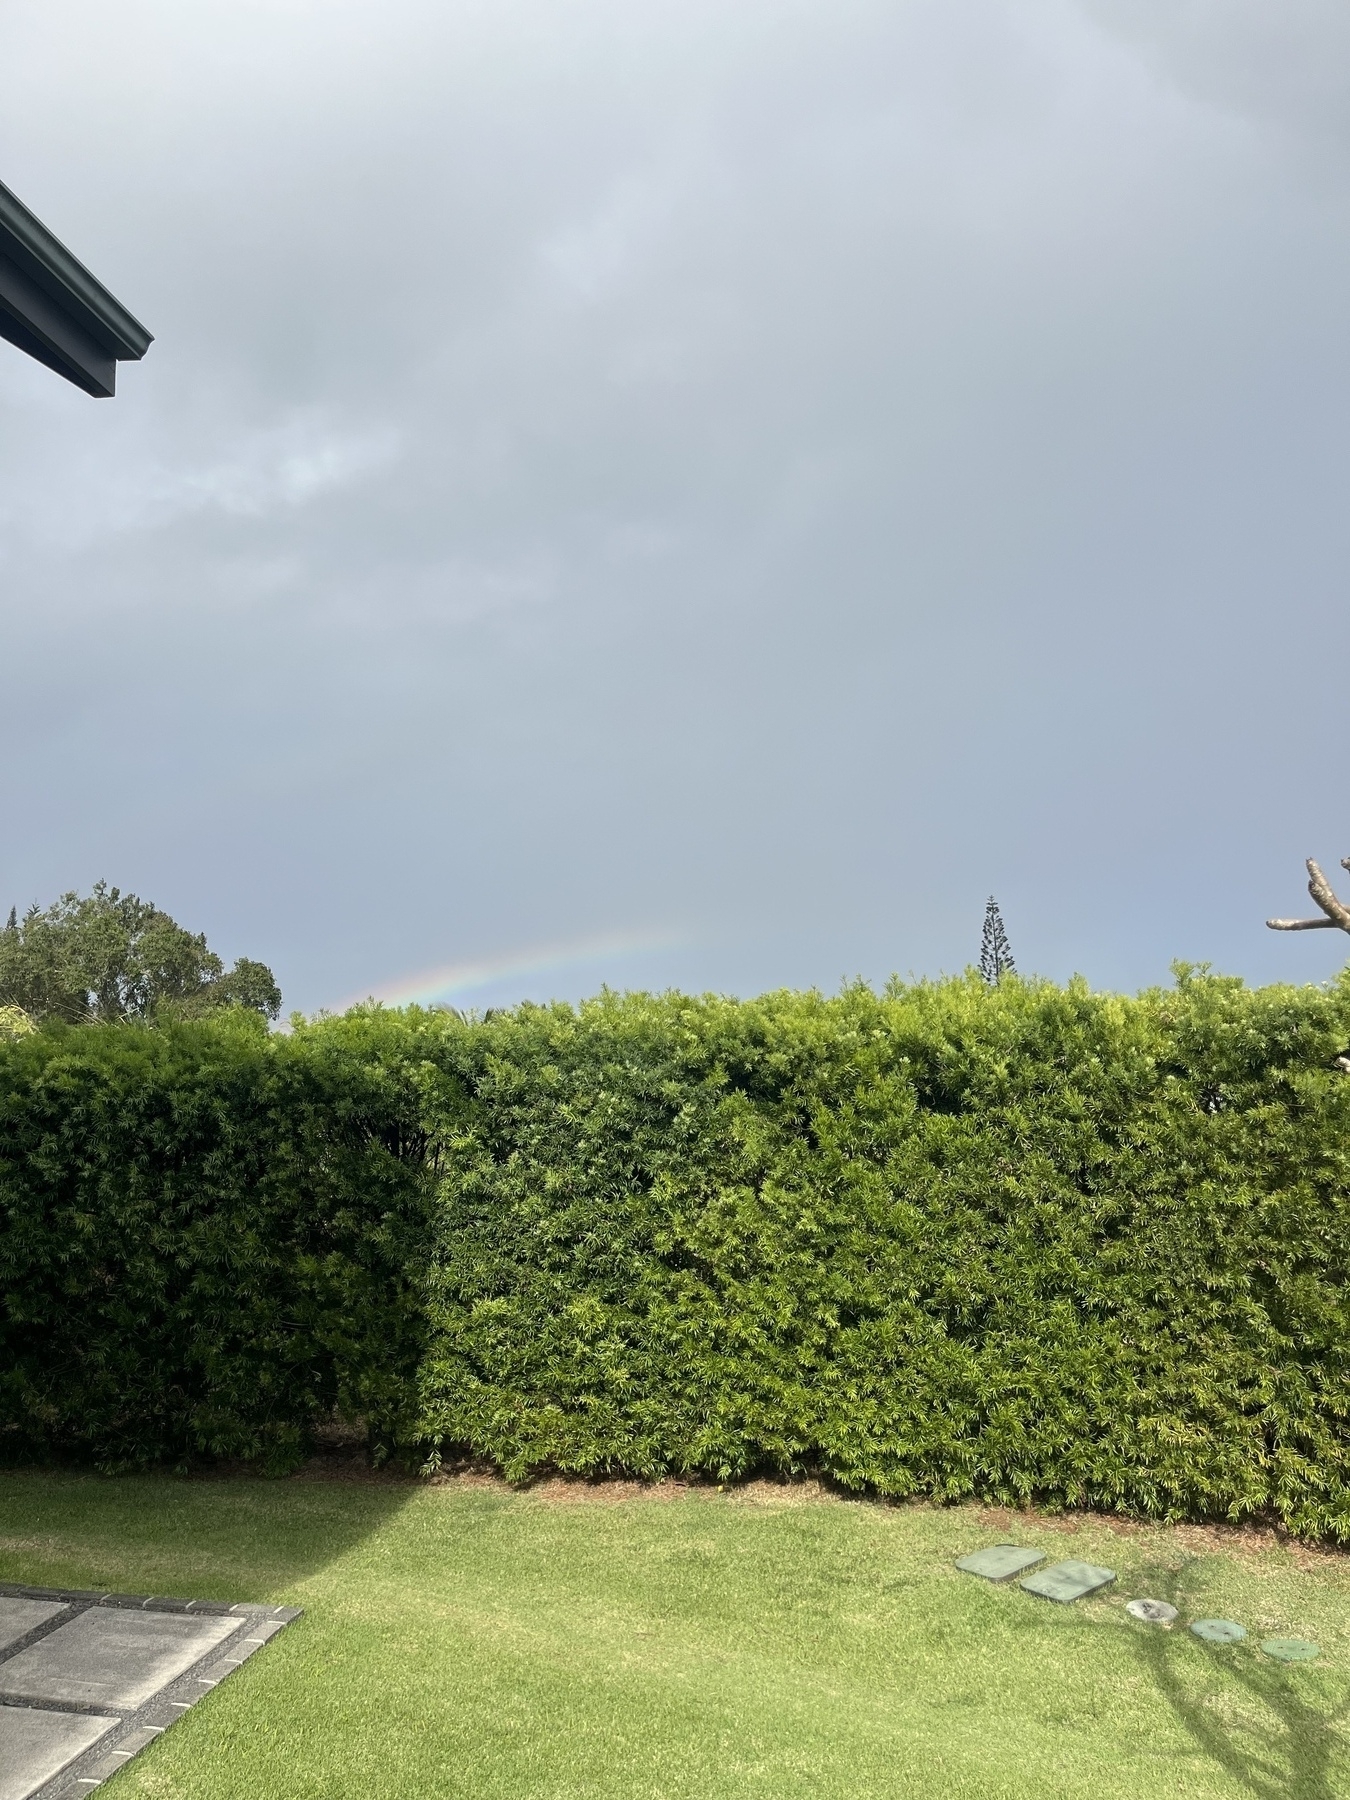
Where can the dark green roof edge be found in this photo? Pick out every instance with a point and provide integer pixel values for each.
(27, 241)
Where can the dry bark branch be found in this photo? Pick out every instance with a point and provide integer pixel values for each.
(1336, 915)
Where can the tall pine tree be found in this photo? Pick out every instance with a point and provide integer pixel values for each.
(996, 957)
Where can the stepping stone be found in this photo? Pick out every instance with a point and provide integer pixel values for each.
(1290, 1649)
(1067, 1581)
(1000, 1561)
(1152, 1612)
(35, 1746)
(1219, 1631)
(110, 1657)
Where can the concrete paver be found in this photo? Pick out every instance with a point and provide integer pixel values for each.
(18, 1617)
(111, 1657)
(87, 1680)
(35, 1746)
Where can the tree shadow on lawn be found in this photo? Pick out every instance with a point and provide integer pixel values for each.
(221, 1536)
(1285, 1747)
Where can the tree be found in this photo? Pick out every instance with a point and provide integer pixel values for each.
(996, 956)
(110, 956)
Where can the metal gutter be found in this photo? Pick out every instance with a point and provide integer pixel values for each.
(52, 308)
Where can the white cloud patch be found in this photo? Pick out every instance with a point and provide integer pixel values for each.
(278, 469)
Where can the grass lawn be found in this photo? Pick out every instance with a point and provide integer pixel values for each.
(464, 1639)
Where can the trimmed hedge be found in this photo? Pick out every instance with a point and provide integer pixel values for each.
(1023, 1242)
(209, 1237)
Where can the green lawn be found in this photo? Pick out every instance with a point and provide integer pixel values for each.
(463, 1639)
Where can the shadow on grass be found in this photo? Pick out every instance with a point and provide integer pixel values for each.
(219, 1537)
(1250, 1714)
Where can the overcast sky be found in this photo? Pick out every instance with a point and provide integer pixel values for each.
(700, 492)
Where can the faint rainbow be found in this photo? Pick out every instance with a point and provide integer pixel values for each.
(451, 981)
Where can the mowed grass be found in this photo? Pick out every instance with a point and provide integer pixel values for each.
(466, 1640)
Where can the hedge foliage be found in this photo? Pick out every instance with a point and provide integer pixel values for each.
(1022, 1242)
(209, 1237)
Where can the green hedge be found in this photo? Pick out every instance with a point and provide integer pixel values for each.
(209, 1237)
(1028, 1242)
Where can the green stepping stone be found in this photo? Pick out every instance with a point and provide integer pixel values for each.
(1000, 1561)
(1290, 1649)
(1067, 1581)
(1219, 1631)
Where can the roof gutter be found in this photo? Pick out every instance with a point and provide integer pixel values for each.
(52, 308)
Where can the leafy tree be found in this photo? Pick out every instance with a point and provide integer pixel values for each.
(109, 956)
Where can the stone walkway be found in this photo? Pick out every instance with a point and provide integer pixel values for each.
(87, 1680)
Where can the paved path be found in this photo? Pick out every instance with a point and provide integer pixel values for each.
(87, 1680)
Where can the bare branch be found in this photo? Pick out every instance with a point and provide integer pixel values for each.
(1320, 889)
(1336, 915)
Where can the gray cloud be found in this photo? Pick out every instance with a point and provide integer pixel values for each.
(744, 480)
